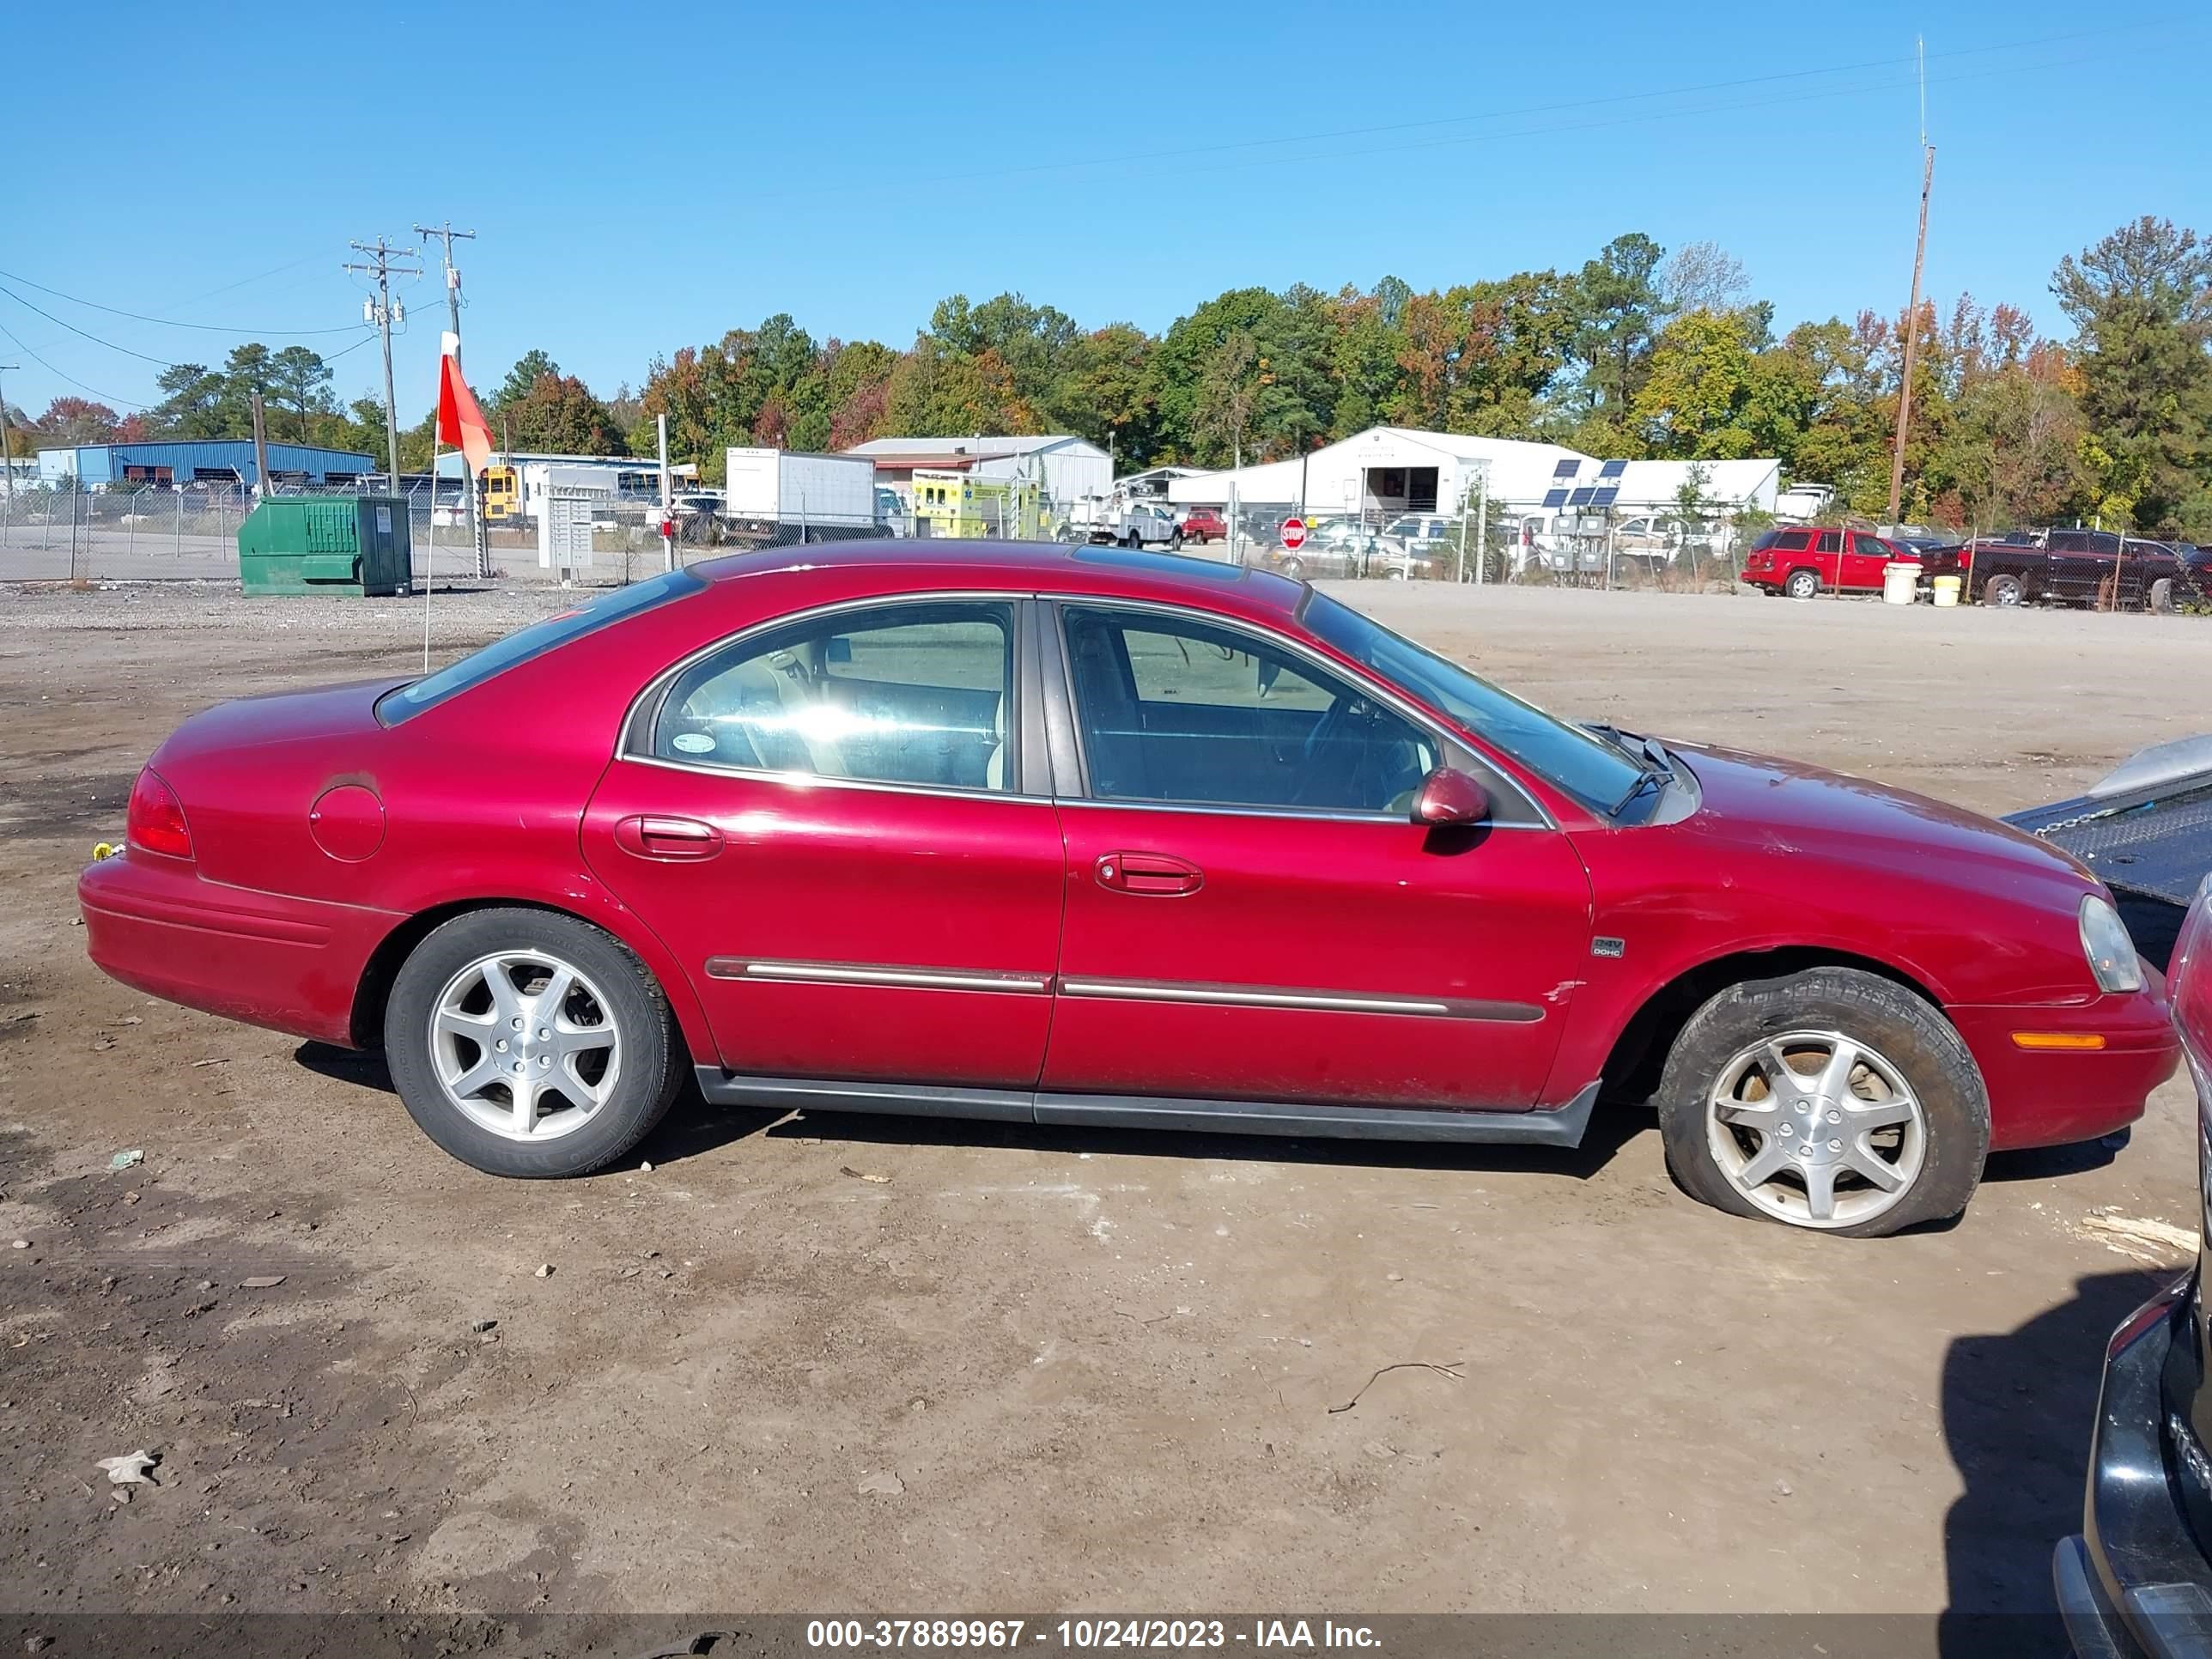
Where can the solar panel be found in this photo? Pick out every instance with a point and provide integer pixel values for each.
(1555, 498)
(1606, 496)
(1581, 497)
(1566, 469)
(1613, 470)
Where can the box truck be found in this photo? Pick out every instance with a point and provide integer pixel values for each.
(786, 493)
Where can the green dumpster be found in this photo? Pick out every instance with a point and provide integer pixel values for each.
(326, 544)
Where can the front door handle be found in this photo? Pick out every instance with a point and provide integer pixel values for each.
(670, 840)
(1148, 875)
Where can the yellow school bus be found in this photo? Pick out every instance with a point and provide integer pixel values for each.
(501, 493)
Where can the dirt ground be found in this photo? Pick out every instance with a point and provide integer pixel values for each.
(1028, 1368)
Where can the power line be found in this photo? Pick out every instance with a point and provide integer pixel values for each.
(158, 362)
(105, 397)
(1131, 158)
(167, 322)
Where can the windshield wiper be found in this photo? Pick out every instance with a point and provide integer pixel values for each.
(1654, 764)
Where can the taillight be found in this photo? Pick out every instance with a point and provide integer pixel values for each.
(157, 823)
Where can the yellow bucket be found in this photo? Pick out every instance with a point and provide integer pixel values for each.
(1947, 590)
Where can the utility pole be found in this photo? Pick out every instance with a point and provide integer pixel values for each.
(446, 235)
(1912, 315)
(261, 450)
(384, 311)
(7, 445)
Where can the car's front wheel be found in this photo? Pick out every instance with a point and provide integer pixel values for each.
(1832, 1099)
(529, 1044)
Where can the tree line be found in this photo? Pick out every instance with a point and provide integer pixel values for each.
(1637, 353)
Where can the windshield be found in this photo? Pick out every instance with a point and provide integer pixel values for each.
(1588, 768)
(532, 642)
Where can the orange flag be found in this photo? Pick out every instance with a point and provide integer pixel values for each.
(460, 422)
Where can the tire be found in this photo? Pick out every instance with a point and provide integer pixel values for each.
(1295, 569)
(2006, 590)
(637, 1074)
(1802, 584)
(1720, 1062)
(2162, 596)
(1175, 541)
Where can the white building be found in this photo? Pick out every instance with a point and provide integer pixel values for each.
(1389, 470)
(1070, 469)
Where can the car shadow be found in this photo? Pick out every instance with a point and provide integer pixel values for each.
(1610, 1129)
(691, 1128)
(2018, 1408)
(2047, 1163)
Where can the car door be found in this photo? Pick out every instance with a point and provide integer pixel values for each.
(829, 822)
(1862, 563)
(1252, 914)
(1827, 557)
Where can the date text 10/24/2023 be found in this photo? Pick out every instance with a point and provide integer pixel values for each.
(1086, 1634)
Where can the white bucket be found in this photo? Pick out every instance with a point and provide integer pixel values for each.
(1947, 590)
(1900, 582)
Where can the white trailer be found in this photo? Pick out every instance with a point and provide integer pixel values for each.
(789, 491)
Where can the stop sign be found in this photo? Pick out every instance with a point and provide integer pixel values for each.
(1294, 533)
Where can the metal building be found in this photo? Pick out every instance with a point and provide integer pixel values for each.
(198, 460)
(1069, 469)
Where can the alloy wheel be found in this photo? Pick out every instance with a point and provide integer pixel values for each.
(524, 1045)
(1816, 1129)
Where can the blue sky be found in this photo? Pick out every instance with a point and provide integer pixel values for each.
(646, 178)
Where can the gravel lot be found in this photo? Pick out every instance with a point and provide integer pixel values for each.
(1032, 1369)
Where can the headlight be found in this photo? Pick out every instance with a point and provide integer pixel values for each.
(2104, 941)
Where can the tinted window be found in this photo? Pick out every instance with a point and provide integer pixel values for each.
(1830, 541)
(1787, 541)
(534, 641)
(1172, 708)
(1588, 768)
(918, 694)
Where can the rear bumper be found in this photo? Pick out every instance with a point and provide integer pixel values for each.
(290, 964)
(2133, 1584)
(2039, 1097)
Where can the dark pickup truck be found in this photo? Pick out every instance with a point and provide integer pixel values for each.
(2091, 568)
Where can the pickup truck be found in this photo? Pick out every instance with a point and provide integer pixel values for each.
(1801, 562)
(2079, 567)
(1141, 525)
(1203, 523)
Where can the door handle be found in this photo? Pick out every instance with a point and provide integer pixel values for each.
(671, 840)
(1148, 875)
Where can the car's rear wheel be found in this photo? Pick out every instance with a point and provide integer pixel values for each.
(529, 1043)
(1802, 584)
(2003, 590)
(2162, 596)
(1833, 1100)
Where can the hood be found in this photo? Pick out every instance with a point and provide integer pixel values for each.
(1786, 806)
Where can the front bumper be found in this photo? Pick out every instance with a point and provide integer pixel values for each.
(289, 963)
(2133, 1584)
(2041, 1097)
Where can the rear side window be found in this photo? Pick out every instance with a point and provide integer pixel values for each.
(1787, 541)
(535, 640)
(917, 694)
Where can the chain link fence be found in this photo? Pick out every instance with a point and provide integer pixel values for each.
(159, 531)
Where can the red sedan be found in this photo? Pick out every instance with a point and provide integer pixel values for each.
(1105, 837)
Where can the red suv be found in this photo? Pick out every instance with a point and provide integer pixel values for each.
(1801, 562)
(1203, 523)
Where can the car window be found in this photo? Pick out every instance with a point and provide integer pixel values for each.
(918, 693)
(1175, 709)
(1830, 541)
(1793, 541)
(536, 641)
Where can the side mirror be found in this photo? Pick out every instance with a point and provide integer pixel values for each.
(1447, 796)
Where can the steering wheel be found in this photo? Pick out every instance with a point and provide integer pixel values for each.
(1326, 733)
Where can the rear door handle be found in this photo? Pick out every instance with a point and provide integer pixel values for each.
(671, 840)
(1148, 875)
